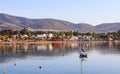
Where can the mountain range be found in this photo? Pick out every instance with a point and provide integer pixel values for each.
(17, 23)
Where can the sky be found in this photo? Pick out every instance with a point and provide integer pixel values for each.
(93, 12)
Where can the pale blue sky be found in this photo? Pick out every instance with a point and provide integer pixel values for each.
(89, 11)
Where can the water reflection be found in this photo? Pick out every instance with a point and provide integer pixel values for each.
(82, 59)
(12, 51)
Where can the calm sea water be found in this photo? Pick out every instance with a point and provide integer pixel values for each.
(60, 58)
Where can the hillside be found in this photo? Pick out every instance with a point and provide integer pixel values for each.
(84, 27)
(17, 23)
(108, 27)
(13, 22)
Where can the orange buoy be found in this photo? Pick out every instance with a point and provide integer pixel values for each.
(4, 71)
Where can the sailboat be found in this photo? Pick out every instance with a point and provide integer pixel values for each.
(83, 53)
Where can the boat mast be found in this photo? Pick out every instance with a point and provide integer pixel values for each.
(81, 35)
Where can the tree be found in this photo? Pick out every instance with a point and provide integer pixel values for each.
(25, 31)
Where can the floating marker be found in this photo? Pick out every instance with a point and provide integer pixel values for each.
(40, 67)
(14, 64)
(4, 71)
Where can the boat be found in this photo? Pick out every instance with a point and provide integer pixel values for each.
(83, 53)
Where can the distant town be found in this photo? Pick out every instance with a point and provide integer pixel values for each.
(25, 35)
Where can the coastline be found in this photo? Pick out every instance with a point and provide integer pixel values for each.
(46, 42)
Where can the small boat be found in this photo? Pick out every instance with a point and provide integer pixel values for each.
(83, 53)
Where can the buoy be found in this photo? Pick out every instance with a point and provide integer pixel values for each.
(40, 67)
(4, 71)
(14, 64)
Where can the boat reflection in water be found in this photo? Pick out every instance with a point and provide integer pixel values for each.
(83, 57)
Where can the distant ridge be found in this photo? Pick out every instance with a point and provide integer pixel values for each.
(108, 27)
(16, 23)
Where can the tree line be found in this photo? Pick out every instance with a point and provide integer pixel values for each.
(64, 34)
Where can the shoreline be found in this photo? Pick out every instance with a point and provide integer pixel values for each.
(41, 42)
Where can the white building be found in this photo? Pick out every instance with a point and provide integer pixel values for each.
(74, 38)
(50, 35)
